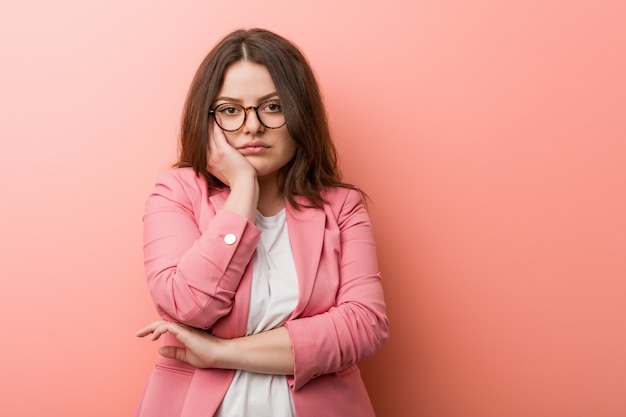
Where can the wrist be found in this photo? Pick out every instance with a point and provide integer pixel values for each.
(223, 354)
(245, 183)
(243, 198)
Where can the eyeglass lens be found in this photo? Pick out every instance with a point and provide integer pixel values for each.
(231, 116)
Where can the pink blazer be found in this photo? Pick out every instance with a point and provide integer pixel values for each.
(198, 277)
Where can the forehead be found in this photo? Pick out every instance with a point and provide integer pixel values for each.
(247, 81)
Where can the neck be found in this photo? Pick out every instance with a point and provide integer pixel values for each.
(271, 198)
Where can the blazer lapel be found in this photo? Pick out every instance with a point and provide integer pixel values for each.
(306, 234)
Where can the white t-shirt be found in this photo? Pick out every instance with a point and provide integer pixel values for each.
(273, 298)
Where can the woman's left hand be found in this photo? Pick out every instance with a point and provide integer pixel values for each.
(200, 347)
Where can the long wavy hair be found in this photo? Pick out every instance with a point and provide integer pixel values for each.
(314, 166)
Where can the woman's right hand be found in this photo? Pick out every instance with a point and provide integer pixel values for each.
(225, 162)
(234, 170)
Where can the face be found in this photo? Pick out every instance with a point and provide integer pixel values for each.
(268, 150)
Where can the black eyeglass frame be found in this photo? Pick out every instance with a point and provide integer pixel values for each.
(245, 115)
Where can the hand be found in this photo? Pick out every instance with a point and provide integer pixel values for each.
(225, 162)
(234, 170)
(200, 348)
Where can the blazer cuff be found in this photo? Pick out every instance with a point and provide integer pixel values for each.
(229, 235)
(313, 350)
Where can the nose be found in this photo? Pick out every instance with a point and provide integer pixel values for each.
(252, 123)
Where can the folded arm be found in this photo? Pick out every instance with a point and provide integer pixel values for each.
(193, 274)
(266, 353)
(356, 326)
(305, 347)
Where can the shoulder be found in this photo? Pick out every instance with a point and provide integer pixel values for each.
(181, 178)
(343, 201)
(335, 194)
(179, 185)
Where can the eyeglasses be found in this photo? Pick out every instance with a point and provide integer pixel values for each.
(231, 117)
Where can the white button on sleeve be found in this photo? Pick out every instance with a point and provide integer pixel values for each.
(230, 239)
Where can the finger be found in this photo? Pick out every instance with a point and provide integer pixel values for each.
(149, 328)
(212, 133)
(174, 352)
(155, 330)
(218, 134)
(181, 332)
(163, 328)
(220, 142)
(215, 138)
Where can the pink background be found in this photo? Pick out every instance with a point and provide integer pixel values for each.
(490, 135)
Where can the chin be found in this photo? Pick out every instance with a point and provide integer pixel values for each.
(265, 174)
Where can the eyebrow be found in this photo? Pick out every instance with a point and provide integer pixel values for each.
(237, 100)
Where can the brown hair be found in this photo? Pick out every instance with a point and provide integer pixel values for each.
(314, 165)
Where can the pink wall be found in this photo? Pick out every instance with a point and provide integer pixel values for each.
(490, 136)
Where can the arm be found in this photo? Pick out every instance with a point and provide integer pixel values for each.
(308, 346)
(266, 353)
(234, 170)
(356, 326)
(193, 274)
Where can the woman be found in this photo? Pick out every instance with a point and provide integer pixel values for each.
(259, 259)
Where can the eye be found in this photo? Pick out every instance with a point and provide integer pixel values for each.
(228, 109)
(271, 106)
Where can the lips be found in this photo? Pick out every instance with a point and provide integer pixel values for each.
(254, 145)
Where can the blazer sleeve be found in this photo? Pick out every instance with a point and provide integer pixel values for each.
(357, 326)
(193, 274)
